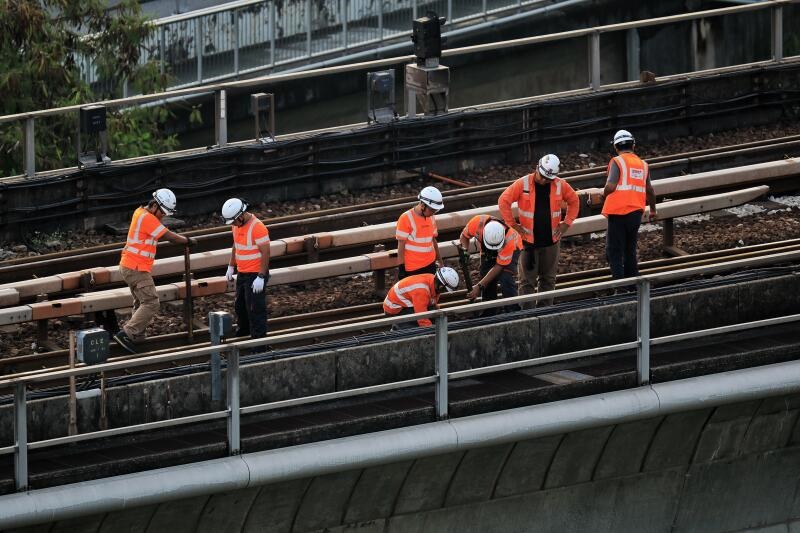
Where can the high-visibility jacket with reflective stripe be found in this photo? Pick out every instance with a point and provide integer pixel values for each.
(246, 239)
(418, 232)
(140, 248)
(631, 192)
(523, 192)
(415, 292)
(474, 228)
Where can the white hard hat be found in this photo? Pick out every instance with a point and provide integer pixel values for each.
(548, 166)
(165, 199)
(494, 235)
(623, 136)
(431, 197)
(447, 277)
(233, 209)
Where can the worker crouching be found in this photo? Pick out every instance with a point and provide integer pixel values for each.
(539, 196)
(250, 256)
(417, 294)
(500, 247)
(417, 248)
(136, 264)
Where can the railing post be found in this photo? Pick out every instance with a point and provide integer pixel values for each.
(643, 331)
(449, 11)
(634, 52)
(483, 5)
(20, 437)
(441, 367)
(777, 33)
(236, 42)
(162, 49)
(272, 28)
(198, 46)
(30, 148)
(380, 20)
(220, 118)
(343, 10)
(234, 428)
(308, 27)
(414, 10)
(594, 60)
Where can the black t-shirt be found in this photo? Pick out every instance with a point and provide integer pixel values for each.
(542, 227)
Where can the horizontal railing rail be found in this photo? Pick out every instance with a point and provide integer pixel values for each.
(440, 379)
(219, 89)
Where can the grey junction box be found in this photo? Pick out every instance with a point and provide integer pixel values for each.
(92, 345)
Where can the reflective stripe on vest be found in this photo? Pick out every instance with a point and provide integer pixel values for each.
(631, 192)
(251, 245)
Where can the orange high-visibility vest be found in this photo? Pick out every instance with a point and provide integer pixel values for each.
(474, 228)
(246, 239)
(631, 192)
(140, 248)
(415, 292)
(523, 192)
(418, 232)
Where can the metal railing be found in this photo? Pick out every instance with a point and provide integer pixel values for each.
(246, 36)
(440, 379)
(28, 119)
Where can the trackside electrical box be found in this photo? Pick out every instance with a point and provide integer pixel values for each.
(92, 346)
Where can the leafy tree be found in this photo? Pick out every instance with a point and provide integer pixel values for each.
(43, 46)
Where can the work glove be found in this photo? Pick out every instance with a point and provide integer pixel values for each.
(191, 242)
(229, 273)
(258, 285)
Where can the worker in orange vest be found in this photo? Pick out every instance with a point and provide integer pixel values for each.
(627, 189)
(136, 264)
(499, 247)
(417, 294)
(417, 249)
(539, 196)
(250, 256)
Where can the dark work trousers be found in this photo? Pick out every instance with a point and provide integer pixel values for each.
(507, 281)
(427, 269)
(251, 309)
(623, 232)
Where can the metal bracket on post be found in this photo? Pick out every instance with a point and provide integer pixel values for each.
(594, 60)
(312, 248)
(30, 148)
(20, 437)
(441, 367)
(234, 427)
(220, 118)
(643, 331)
(777, 33)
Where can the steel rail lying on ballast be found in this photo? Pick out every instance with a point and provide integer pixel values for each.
(219, 89)
(441, 376)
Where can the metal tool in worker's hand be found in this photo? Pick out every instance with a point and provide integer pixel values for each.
(188, 305)
(463, 260)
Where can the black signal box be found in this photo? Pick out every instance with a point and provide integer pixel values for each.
(426, 35)
(93, 119)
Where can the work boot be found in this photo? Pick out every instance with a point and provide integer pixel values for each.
(126, 342)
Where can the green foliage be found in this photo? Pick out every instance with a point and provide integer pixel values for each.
(43, 46)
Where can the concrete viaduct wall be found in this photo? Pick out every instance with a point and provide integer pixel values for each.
(730, 468)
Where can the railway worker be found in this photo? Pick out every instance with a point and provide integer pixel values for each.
(417, 249)
(539, 196)
(136, 264)
(250, 256)
(499, 246)
(417, 294)
(627, 189)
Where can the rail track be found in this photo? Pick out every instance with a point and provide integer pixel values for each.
(218, 237)
(58, 360)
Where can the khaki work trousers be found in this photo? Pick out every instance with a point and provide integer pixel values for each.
(145, 301)
(537, 271)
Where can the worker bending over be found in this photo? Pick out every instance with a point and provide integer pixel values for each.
(250, 256)
(136, 264)
(539, 196)
(417, 294)
(499, 247)
(417, 249)
(627, 189)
